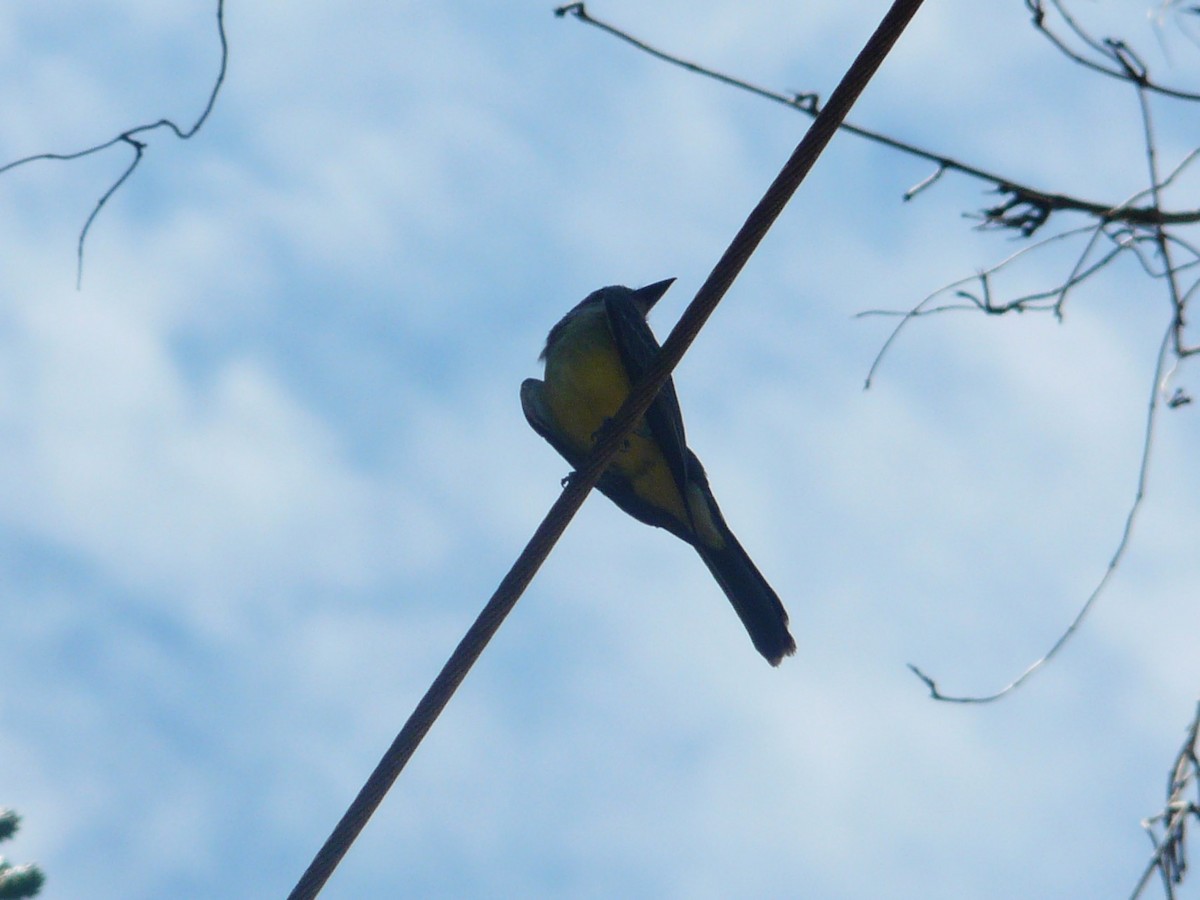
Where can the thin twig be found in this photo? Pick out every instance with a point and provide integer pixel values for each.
(926, 182)
(1114, 219)
(921, 308)
(1078, 272)
(1170, 858)
(1139, 495)
(128, 137)
(1160, 234)
(1110, 50)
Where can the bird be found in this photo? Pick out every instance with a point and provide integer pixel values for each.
(593, 356)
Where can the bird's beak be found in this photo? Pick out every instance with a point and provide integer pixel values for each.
(649, 295)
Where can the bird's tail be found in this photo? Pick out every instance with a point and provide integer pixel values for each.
(756, 603)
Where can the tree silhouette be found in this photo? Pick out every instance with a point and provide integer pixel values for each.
(16, 882)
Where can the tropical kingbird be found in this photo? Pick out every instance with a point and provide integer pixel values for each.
(593, 356)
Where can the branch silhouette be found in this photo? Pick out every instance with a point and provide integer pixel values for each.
(1106, 56)
(1118, 554)
(129, 137)
(1167, 829)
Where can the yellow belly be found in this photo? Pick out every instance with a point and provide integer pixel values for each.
(585, 386)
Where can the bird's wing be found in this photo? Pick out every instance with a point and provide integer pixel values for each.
(638, 347)
(612, 485)
(533, 404)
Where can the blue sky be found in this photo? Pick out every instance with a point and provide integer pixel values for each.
(258, 476)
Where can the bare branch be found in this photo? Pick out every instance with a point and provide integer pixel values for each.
(128, 137)
(923, 308)
(1143, 473)
(928, 181)
(1167, 829)
(1112, 54)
